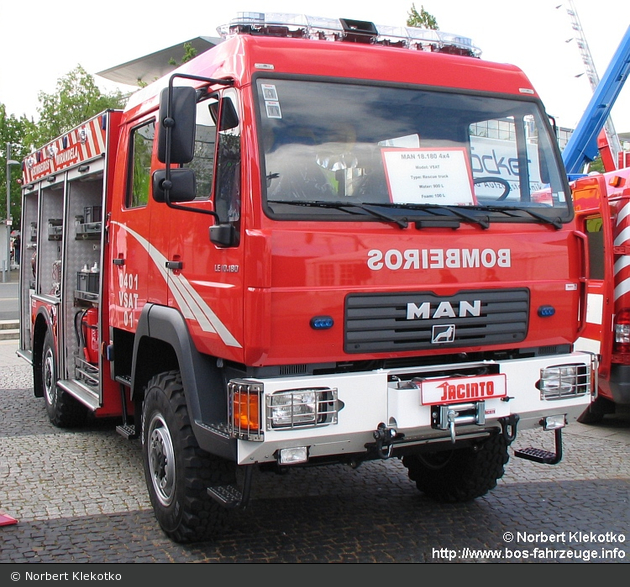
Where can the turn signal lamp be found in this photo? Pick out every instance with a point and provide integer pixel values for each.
(245, 398)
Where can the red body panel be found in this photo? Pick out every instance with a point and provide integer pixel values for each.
(282, 275)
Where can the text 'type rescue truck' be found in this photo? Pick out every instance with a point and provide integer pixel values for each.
(321, 241)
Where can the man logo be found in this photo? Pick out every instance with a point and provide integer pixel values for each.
(442, 333)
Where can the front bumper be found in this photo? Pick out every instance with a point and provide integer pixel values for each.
(390, 403)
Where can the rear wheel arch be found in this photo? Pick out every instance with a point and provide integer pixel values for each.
(41, 327)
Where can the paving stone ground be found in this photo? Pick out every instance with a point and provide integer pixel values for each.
(80, 497)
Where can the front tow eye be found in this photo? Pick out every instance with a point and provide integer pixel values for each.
(508, 427)
(384, 437)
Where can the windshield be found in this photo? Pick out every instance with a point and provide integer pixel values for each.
(333, 150)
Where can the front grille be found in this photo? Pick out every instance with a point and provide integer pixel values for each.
(416, 321)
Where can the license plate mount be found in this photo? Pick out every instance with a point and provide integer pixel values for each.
(455, 390)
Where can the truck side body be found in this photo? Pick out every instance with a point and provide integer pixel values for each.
(265, 292)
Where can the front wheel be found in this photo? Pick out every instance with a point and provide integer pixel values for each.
(64, 411)
(178, 472)
(459, 475)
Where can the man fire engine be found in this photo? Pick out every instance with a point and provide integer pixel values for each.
(321, 241)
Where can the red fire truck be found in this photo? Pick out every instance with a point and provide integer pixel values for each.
(602, 204)
(321, 241)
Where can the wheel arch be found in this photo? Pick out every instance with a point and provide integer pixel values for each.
(43, 323)
(162, 343)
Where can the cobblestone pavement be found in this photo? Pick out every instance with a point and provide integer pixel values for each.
(80, 497)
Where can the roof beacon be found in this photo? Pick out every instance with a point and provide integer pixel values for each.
(344, 29)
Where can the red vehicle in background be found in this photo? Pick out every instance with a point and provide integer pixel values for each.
(602, 205)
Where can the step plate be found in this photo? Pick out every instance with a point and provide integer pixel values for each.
(227, 495)
(127, 430)
(536, 454)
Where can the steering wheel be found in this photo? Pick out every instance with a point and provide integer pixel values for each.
(502, 182)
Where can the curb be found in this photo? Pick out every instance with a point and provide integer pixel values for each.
(9, 329)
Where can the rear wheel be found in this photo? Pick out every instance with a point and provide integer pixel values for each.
(63, 410)
(459, 475)
(595, 412)
(178, 473)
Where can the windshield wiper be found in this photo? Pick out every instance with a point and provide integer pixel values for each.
(402, 222)
(556, 222)
(439, 217)
(464, 214)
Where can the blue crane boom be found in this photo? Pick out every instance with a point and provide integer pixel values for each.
(582, 146)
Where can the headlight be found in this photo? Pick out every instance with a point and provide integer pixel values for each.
(563, 381)
(302, 408)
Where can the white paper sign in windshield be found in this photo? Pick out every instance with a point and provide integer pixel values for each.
(429, 176)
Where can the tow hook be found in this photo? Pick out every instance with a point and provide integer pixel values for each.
(384, 437)
(508, 427)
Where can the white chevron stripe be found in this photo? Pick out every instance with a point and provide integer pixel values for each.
(622, 288)
(622, 237)
(623, 213)
(621, 263)
(192, 305)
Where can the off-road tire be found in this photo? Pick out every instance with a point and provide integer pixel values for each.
(177, 472)
(64, 411)
(595, 412)
(459, 475)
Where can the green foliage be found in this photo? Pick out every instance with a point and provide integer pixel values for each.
(421, 19)
(597, 165)
(76, 99)
(11, 131)
(189, 53)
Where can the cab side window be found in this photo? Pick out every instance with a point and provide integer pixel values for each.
(228, 167)
(594, 232)
(139, 184)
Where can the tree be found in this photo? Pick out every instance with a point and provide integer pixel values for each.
(422, 20)
(189, 53)
(76, 99)
(12, 130)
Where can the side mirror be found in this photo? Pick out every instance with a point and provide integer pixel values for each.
(229, 116)
(178, 117)
(223, 235)
(183, 186)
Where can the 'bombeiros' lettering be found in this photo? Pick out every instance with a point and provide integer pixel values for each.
(413, 259)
